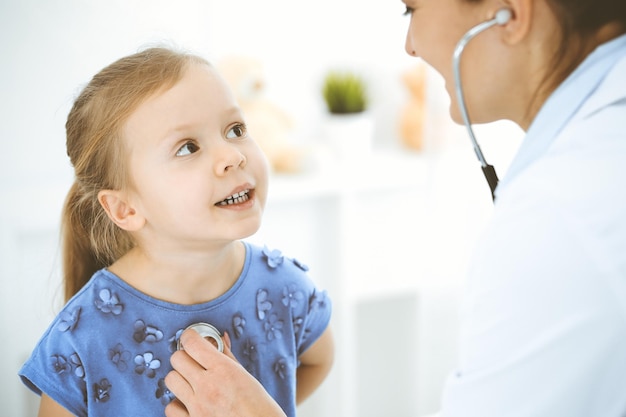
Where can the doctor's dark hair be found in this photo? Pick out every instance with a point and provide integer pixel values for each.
(579, 21)
(90, 240)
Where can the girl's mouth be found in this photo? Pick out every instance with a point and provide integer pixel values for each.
(237, 198)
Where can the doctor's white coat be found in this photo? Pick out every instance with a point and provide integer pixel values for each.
(544, 316)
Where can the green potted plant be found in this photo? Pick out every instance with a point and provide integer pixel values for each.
(344, 93)
(349, 125)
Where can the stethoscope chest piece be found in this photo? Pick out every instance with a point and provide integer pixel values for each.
(208, 332)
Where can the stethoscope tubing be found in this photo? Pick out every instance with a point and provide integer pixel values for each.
(488, 170)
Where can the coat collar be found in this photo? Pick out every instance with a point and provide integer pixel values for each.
(590, 87)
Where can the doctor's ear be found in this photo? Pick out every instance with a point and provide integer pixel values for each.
(518, 25)
(120, 211)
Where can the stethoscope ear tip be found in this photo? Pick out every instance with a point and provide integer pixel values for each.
(503, 16)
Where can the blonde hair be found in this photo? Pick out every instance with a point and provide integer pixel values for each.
(90, 240)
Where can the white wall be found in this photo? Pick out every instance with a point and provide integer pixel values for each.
(50, 48)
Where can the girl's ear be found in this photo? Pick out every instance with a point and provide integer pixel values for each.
(120, 211)
(518, 27)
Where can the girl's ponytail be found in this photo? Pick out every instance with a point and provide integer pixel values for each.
(79, 259)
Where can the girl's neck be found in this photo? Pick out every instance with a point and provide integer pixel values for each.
(182, 278)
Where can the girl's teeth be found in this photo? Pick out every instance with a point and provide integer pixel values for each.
(235, 198)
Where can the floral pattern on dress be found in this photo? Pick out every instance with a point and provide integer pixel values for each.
(68, 320)
(297, 324)
(60, 364)
(146, 333)
(263, 304)
(274, 257)
(300, 265)
(292, 297)
(281, 302)
(173, 341)
(163, 393)
(250, 351)
(281, 368)
(119, 357)
(77, 364)
(273, 328)
(317, 301)
(239, 325)
(101, 390)
(147, 364)
(108, 303)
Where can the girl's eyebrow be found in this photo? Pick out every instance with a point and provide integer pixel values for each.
(172, 132)
(234, 110)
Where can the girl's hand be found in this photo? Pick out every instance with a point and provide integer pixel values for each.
(208, 383)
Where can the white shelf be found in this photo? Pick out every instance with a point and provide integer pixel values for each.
(383, 170)
(355, 223)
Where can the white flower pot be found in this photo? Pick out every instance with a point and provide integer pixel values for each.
(350, 135)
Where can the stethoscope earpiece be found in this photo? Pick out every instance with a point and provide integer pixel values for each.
(503, 16)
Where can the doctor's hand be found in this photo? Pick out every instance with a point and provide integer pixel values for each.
(207, 383)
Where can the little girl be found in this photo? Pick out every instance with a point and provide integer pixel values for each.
(168, 181)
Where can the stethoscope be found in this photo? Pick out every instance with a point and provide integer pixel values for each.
(207, 331)
(502, 17)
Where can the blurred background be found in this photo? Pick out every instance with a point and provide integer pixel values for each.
(385, 219)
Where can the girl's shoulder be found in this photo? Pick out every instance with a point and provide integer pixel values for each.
(273, 260)
(270, 271)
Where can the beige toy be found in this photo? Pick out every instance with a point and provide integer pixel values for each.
(268, 124)
(412, 116)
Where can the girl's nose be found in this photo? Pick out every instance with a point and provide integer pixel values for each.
(228, 157)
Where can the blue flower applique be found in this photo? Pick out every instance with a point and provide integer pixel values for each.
(146, 333)
(263, 305)
(250, 350)
(119, 357)
(59, 364)
(317, 301)
(273, 328)
(173, 341)
(274, 257)
(68, 320)
(101, 390)
(300, 265)
(292, 297)
(305, 335)
(79, 370)
(297, 324)
(108, 302)
(147, 364)
(163, 393)
(239, 325)
(281, 368)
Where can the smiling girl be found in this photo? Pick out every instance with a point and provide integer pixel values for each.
(168, 182)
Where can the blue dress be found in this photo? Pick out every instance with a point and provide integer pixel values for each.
(107, 352)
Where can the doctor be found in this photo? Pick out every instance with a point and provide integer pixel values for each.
(544, 317)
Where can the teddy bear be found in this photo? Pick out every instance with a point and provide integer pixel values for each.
(268, 124)
(412, 115)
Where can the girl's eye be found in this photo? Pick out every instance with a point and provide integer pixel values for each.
(237, 131)
(409, 11)
(187, 149)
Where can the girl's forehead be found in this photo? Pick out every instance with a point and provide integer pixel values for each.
(197, 81)
(200, 95)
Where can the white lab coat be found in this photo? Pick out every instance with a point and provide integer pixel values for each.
(543, 321)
